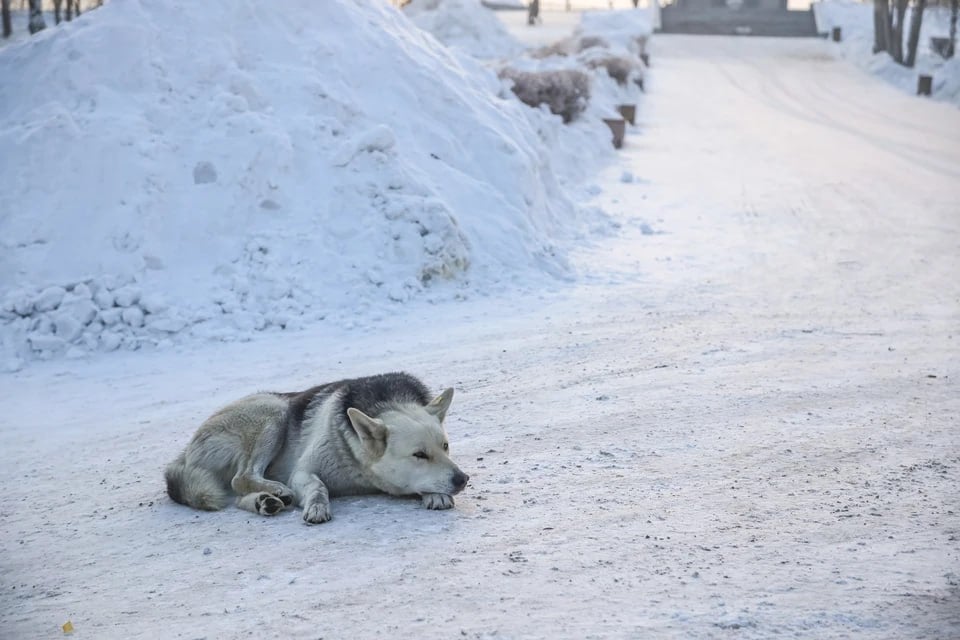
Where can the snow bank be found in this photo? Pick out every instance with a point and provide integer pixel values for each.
(856, 21)
(176, 170)
(465, 25)
(629, 28)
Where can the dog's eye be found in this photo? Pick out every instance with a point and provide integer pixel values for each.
(446, 447)
(421, 455)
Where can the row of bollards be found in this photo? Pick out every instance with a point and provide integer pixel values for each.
(628, 113)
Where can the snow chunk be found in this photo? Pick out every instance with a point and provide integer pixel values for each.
(379, 138)
(49, 298)
(127, 296)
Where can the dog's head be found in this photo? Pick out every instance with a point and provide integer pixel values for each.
(407, 448)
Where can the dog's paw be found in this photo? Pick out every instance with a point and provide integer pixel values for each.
(281, 491)
(286, 496)
(437, 501)
(268, 505)
(316, 513)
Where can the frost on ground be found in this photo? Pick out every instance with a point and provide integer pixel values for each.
(254, 169)
(856, 22)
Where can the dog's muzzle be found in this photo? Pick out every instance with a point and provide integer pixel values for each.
(459, 481)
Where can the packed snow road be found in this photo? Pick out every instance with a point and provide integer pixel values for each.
(741, 422)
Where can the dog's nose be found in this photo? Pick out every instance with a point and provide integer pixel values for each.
(459, 480)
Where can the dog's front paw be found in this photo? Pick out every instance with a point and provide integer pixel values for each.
(268, 505)
(316, 513)
(437, 501)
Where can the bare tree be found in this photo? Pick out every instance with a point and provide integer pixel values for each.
(881, 26)
(57, 5)
(914, 39)
(896, 42)
(889, 21)
(69, 10)
(36, 16)
(7, 26)
(76, 7)
(954, 7)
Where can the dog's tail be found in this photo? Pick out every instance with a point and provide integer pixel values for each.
(195, 487)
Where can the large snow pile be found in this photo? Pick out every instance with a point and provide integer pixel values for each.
(465, 25)
(856, 22)
(182, 169)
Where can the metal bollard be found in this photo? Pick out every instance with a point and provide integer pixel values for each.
(629, 112)
(618, 128)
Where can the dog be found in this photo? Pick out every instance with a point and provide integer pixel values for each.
(378, 434)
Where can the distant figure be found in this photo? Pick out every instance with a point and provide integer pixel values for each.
(534, 12)
(635, 3)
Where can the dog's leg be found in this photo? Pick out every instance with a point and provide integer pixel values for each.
(437, 501)
(265, 504)
(312, 496)
(259, 454)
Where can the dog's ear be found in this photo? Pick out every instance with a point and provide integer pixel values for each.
(372, 432)
(440, 404)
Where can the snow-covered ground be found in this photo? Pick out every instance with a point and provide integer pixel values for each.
(739, 421)
(856, 22)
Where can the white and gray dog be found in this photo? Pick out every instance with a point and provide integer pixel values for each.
(271, 450)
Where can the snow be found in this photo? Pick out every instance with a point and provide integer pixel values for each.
(630, 29)
(464, 25)
(225, 166)
(856, 22)
(742, 424)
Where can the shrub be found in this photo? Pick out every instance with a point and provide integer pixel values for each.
(564, 91)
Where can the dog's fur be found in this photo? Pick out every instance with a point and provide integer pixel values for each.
(367, 435)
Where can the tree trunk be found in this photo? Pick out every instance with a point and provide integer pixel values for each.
(7, 25)
(76, 8)
(954, 7)
(69, 10)
(57, 5)
(915, 21)
(881, 13)
(896, 42)
(36, 16)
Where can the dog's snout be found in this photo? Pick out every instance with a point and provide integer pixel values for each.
(459, 480)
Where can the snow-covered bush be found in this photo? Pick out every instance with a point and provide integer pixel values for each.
(566, 92)
(622, 68)
(569, 46)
